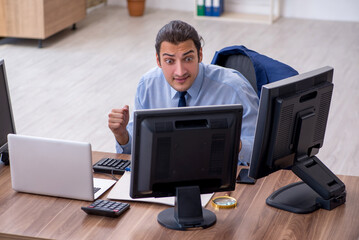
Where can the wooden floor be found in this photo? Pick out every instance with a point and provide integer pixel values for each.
(66, 89)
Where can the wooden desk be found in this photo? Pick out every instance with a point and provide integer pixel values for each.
(58, 218)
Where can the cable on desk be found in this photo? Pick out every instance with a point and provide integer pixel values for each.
(113, 176)
(110, 175)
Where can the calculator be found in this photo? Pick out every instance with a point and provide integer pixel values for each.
(106, 208)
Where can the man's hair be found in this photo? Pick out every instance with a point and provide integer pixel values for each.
(176, 32)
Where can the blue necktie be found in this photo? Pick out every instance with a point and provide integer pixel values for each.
(182, 99)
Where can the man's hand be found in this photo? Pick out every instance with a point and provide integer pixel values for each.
(117, 122)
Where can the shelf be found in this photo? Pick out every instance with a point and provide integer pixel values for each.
(269, 18)
(242, 17)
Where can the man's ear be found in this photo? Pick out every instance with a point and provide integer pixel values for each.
(200, 55)
(158, 61)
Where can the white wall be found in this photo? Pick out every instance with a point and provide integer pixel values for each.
(337, 10)
(340, 10)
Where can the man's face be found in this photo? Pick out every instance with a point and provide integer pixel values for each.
(179, 63)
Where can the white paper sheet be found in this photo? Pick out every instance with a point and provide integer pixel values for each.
(121, 191)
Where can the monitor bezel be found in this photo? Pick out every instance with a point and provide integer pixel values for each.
(3, 146)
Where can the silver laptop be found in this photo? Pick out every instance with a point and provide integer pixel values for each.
(54, 167)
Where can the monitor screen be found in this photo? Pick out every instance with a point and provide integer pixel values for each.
(290, 130)
(6, 117)
(185, 147)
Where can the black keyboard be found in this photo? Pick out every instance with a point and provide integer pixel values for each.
(111, 165)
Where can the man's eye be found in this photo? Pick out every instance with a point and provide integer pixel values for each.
(169, 61)
(188, 59)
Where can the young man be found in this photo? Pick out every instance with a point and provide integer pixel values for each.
(182, 79)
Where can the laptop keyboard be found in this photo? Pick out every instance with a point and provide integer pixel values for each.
(111, 165)
(96, 189)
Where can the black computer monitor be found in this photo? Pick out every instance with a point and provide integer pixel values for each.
(184, 152)
(290, 130)
(6, 116)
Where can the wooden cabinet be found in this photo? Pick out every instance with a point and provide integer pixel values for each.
(38, 19)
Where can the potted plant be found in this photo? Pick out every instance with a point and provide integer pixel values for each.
(136, 7)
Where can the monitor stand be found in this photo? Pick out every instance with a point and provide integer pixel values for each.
(320, 189)
(4, 156)
(188, 211)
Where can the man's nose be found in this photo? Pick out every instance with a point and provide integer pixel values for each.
(180, 70)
